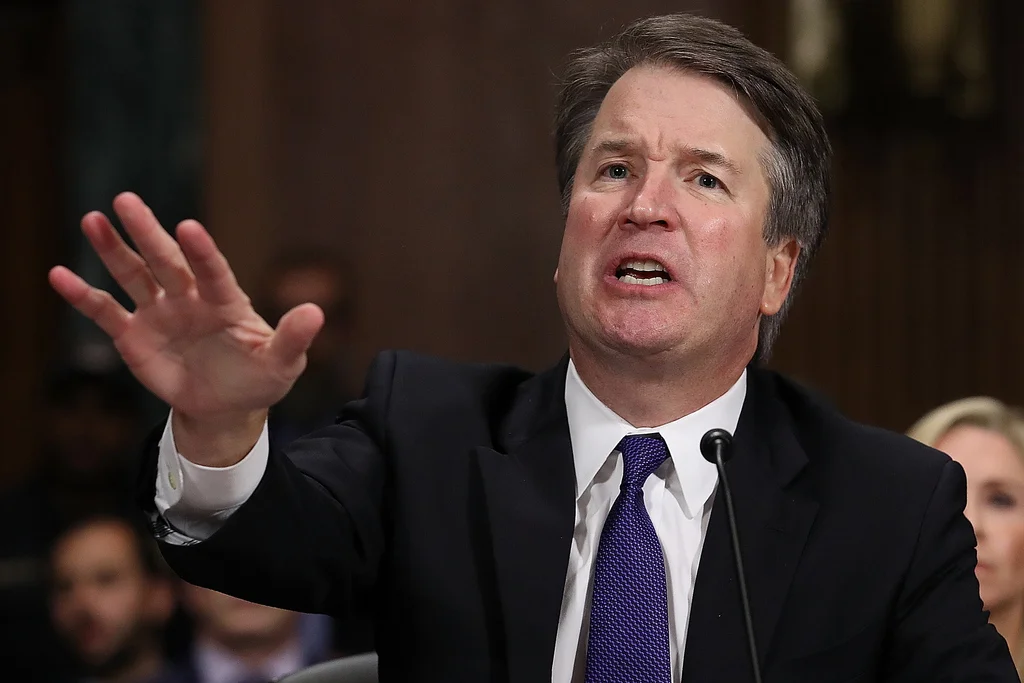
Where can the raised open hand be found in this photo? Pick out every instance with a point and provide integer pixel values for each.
(193, 339)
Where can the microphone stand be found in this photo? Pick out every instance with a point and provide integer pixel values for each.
(716, 447)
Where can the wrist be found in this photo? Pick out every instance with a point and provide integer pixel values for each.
(219, 441)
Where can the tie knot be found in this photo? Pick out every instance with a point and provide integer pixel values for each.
(641, 455)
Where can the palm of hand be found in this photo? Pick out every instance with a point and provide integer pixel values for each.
(201, 358)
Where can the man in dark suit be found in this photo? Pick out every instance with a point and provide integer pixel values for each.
(563, 526)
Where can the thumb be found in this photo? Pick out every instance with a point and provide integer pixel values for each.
(294, 334)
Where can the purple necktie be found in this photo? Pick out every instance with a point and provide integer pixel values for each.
(629, 610)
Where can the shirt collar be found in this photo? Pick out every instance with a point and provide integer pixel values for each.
(595, 430)
(217, 665)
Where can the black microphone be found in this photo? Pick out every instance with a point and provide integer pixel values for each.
(716, 447)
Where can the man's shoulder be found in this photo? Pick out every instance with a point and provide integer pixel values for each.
(829, 437)
(415, 389)
(418, 376)
(401, 362)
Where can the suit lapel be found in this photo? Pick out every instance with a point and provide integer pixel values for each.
(529, 493)
(773, 523)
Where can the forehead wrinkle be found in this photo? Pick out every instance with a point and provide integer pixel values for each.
(631, 144)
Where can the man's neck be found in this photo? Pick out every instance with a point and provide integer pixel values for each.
(651, 394)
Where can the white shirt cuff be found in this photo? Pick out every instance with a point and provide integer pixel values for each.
(196, 500)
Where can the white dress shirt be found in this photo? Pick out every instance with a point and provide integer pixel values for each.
(678, 497)
(196, 500)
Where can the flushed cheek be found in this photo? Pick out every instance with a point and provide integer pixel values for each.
(726, 237)
(583, 240)
(591, 213)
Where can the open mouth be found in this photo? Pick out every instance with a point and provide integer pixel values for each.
(646, 272)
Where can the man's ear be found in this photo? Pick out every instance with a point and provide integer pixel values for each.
(780, 265)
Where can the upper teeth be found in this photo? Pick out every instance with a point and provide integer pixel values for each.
(643, 265)
(653, 273)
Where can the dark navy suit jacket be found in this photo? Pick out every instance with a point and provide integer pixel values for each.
(445, 498)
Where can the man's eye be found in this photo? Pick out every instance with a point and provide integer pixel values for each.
(708, 181)
(617, 172)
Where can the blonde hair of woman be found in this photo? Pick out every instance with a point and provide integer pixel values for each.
(987, 438)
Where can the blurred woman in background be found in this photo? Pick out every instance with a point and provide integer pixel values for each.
(987, 438)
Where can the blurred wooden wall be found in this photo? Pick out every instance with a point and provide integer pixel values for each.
(30, 139)
(918, 297)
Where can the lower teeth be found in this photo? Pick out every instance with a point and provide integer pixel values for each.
(649, 281)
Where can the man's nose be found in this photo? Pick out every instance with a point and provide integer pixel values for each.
(652, 204)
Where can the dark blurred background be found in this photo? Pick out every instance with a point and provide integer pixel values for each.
(407, 142)
(413, 138)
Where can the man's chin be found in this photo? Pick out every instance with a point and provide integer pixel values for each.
(611, 336)
(110, 663)
(638, 345)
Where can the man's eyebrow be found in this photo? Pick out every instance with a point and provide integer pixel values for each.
(710, 158)
(615, 146)
(705, 156)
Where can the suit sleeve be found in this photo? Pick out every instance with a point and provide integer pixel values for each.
(311, 536)
(940, 631)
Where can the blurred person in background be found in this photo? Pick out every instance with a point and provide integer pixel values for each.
(242, 642)
(987, 438)
(83, 469)
(313, 275)
(94, 425)
(111, 599)
(321, 276)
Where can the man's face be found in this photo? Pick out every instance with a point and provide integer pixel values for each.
(104, 603)
(663, 253)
